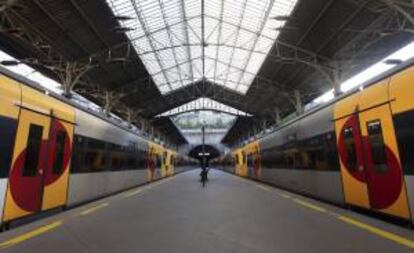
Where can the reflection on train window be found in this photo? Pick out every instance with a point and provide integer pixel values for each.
(92, 155)
(95, 155)
(404, 123)
(34, 144)
(376, 142)
(315, 153)
(351, 153)
(158, 161)
(59, 152)
(250, 163)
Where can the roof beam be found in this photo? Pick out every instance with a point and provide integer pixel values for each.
(260, 30)
(219, 37)
(164, 18)
(187, 38)
(143, 23)
(235, 40)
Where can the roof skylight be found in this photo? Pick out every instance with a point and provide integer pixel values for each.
(168, 37)
(204, 104)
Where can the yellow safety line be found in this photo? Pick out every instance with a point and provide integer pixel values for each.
(310, 205)
(286, 196)
(94, 209)
(144, 188)
(263, 187)
(30, 234)
(388, 235)
(132, 193)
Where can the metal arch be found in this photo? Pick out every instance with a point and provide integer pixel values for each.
(144, 28)
(203, 110)
(262, 25)
(199, 44)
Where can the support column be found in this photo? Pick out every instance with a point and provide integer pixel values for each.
(129, 117)
(70, 74)
(278, 118)
(298, 102)
(108, 104)
(264, 126)
(337, 81)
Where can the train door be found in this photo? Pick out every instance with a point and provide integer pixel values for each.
(56, 174)
(25, 187)
(39, 175)
(384, 173)
(250, 165)
(151, 164)
(352, 164)
(166, 157)
(370, 167)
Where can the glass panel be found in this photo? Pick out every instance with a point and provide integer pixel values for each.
(350, 148)
(377, 146)
(59, 152)
(168, 33)
(34, 145)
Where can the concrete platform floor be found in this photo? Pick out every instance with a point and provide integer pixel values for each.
(229, 215)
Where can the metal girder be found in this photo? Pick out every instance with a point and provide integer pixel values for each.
(92, 26)
(400, 6)
(235, 40)
(219, 37)
(171, 41)
(122, 44)
(144, 28)
(189, 58)
(262, 25)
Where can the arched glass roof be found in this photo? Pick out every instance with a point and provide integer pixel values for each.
(182, 41)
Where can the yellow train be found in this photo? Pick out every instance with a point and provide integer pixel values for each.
(358, 150)
(55, 153)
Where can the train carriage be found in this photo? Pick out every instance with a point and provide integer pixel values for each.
(356, 150)
(55, 153)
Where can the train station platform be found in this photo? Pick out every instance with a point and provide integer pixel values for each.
(230, 214)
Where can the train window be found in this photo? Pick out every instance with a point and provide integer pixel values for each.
(59, 152)
(404, 123)
(8, 133)
(249, 159)
(34, 145)
(95, 156)
(377, 146)
(350, 148)
(77, 153)
(158, 162)
(331, 152)
(141, 164)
